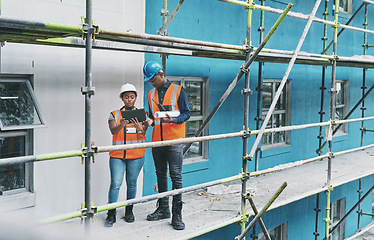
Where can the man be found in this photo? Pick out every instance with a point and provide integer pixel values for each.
(166, 96)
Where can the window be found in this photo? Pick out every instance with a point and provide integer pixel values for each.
(18, 115)
(15, 178)
(198, 97)
(345, 6)
(341, 103)
(277, 233)
(337, 213)
(19, 108)
(281, 115)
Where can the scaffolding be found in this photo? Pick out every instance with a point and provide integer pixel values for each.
(90, 36)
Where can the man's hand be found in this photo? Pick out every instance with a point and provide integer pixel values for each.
(167, 119)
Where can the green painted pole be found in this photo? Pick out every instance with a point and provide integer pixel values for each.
(41, 157)
(342, 30)
(62, 218)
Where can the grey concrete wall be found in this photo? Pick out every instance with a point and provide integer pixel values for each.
(59, 73)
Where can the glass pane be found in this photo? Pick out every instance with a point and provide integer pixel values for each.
(279, 137)
(196, 148)
(17, 105)
(281, 103)
(279, 120)
(267, 137)
(335, 217)
(194, 95)
(343, 4)
(339, 114)
(12, 177)
(340, 93)
(267, 96)
(275, 234)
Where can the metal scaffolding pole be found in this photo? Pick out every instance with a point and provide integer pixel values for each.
(101, 149)
(342, 30)
(262, 225)
(347, 116)
(323, 88)
(195, 187)
(259, 88)
(88, 91)
(246, 92)
(359, 211)
(166, 22)
(148, 198)
(350, 211)
(283, 82)
(365, 46)
(262, 212)
(332, 117)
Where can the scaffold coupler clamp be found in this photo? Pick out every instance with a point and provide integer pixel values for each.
(246, 133)
(250, 5)
(88, 153)
(327, 220)
(247, 157)
(245, 70)
(248, 195)
(85, 29)
(88, 90)
(85, 213)
(246, 91)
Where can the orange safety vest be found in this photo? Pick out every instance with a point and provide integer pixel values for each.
(131, 137)
(166, 131)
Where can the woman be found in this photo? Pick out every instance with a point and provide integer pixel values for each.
(129, 161)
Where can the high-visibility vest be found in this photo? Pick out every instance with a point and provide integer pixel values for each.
(166, 131)
(131, 137)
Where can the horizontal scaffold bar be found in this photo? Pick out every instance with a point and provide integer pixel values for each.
(196, 187)
(295, 15)
(144, 199)
(79, 153)
(71, 36)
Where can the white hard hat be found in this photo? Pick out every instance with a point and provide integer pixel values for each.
(127, 88)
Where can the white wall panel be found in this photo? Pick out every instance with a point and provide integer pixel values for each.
(59, 73)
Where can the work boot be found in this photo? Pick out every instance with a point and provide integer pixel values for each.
(129, 216)
(176, 220)
(111, 218)
(162, 210)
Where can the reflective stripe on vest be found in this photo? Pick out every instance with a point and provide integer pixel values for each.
(119, 139)
(170, 131)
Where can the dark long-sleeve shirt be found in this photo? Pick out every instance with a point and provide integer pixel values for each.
(184, 108)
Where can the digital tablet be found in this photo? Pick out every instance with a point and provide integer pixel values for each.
(130, 114)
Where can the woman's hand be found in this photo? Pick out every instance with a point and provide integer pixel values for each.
(123, 122)
(148, 121)
(137, 124)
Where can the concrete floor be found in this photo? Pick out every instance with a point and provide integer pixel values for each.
(206, 209)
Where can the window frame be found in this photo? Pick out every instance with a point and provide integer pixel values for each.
(349, 7)
(23, 197)
(205, 112)
(287, 112)
(343, 130)
(28, 79)
(29, 167)
(283, 231)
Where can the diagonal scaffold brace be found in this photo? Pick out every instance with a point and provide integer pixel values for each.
(262, 212)
(244, 68)
(262, 224)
